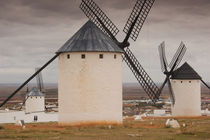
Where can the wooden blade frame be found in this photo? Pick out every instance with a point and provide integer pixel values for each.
(39, 80)
(178, 56)
(143, 78)
(171, 91)
(97, 16)
(137, 18)
(163, 60)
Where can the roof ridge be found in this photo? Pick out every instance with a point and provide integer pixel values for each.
(185, 72)
(89, 38)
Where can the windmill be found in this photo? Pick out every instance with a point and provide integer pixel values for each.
(172, 66)
(132, 29)
(170, 70)
(40, 87)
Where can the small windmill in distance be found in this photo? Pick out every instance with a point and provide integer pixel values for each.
(183, 83)
(39, 89)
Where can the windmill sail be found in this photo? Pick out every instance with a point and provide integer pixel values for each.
(163, 61)
(141, 75)
(137, 18)
(97, 16)
(39, 80)
(173, 65)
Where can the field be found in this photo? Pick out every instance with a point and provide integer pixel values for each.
(149, 129)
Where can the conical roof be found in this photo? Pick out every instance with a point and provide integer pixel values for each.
(89, 39)
(35, 92)
(185, 72)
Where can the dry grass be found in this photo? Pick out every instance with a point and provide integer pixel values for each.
(149, 129)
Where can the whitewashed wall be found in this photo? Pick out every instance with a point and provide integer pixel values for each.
(35, 104)
(187, 98)
(14, 116)
(90, 89)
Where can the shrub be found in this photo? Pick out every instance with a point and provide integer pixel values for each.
(1, 127)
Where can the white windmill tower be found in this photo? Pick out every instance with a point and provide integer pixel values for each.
(35, 101)
(90, 78)
(185, 83)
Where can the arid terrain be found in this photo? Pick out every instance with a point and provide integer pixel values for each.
(149, 129)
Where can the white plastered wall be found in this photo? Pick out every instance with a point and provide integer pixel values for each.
(187, 98)
(35, 104)
(90, 89)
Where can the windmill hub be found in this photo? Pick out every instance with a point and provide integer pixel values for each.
(167, 73)
(123, 45)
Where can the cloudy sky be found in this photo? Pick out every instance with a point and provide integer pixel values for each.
(31, 31)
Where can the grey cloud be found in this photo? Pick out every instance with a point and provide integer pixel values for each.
(39, 12)
(32, 30)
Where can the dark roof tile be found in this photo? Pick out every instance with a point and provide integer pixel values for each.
(185, 72)
(35, 92)
(89, 39)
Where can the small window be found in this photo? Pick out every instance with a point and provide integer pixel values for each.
(101, 56)
(181, 81)
(189, 81)
(35, 118)
(115, 56)
(68, 56)
(83, 56)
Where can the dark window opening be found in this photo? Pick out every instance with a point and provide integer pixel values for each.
(115, 56)
(68, 56)
(181, 81)
(35, 118)
(189, 81)
(83, 56)
(101, 56)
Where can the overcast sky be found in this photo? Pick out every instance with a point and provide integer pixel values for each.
(31, 31)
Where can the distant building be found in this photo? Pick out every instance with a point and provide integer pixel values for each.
(186, 87)
(90, 79)
(159, 112)
(35, 101)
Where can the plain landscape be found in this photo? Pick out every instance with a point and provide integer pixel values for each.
(151, 128)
